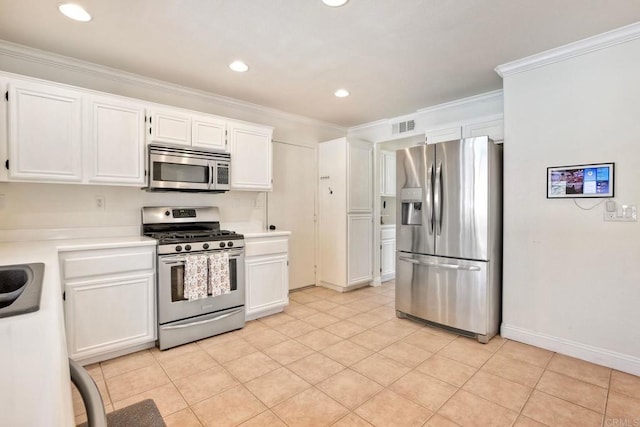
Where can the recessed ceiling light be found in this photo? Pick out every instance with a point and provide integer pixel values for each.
(239, 66)
(75, 12)
(334, 3)
(341, 93)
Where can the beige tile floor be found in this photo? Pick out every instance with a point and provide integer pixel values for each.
(346, 360)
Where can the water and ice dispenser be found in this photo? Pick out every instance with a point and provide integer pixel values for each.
(411, 199)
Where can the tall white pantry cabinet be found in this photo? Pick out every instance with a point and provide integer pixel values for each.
(345, 213)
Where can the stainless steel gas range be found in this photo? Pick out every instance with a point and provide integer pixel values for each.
(188, 236)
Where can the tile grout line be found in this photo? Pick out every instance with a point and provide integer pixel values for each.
(469, 379)
(536, 385)
(370, 328)
(349, 367)
(606, 402)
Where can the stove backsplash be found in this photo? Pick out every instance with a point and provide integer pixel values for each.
(26, 205)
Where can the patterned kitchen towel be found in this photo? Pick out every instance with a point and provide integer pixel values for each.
(219, 274)
(195, 277)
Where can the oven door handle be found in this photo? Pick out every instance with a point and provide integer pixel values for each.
(202, 322)
(181, 258)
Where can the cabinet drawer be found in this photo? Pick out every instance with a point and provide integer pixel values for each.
(387, 233)
(266, 247)
(107, 261)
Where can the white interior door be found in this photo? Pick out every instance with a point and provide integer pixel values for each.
(291, 206)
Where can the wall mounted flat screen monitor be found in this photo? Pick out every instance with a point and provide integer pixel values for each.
(578, 181)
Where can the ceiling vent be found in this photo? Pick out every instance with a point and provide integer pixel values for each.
(403, 127)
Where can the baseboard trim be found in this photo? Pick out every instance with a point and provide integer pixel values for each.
(113, 354)
(344, 288)
(600, 356)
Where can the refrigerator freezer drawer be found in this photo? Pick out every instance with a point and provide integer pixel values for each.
(454, 293)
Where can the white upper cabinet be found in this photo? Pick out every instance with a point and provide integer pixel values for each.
(494, 129)
(4, 153)
(387, 173)
(50, 132)
(115, 136)
(170, 126)
(360, 177)
(209, 132)
(250, 148)
(45, 132)
(180, 127)
(445, 134)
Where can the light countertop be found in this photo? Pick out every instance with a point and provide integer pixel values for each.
(266, 233)
(253, 229)
(35, 377)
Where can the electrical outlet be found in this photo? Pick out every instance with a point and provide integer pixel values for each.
(100, 202)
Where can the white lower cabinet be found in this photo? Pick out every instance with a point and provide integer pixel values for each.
(266, 275)
(360, 238)
(387, 252)
(110, 301)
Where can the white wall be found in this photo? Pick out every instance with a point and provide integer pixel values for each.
(571, 280)
(61, 206)
(30, 205)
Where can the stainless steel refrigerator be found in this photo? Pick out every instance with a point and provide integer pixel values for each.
(449, 235)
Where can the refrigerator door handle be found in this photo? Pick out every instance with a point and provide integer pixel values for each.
(438, 265)
(430, 197)
(437, 199)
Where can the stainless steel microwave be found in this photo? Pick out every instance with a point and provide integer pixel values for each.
(177, 168)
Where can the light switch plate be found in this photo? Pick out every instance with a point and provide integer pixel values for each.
(622, 213)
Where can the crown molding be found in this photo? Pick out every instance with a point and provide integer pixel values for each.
(55, 60)
(369, 125)
(571, 50)
(487, 96)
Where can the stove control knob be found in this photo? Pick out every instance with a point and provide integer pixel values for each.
(205, 246)
(178, 248)
(222, 245)
(230, 244)
(187, 248)
(167, 213)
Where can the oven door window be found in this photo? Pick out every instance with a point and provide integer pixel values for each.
(178, 172)
(233, 274)
(177, 280)
(177, 283)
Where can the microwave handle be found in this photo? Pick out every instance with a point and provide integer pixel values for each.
(211, 183)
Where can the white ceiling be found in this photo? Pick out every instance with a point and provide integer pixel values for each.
(394, 56)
